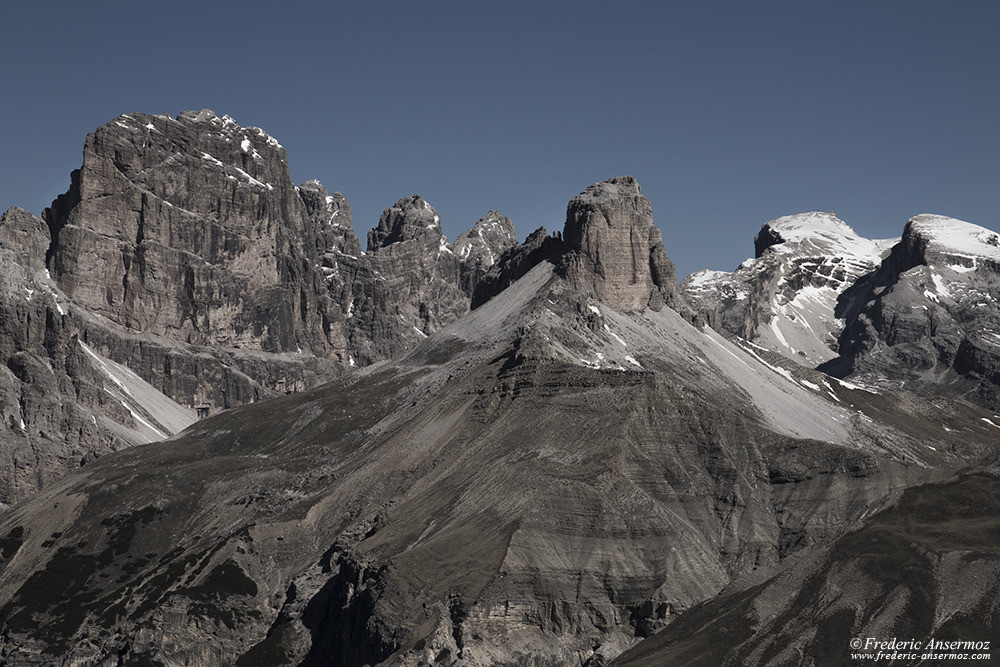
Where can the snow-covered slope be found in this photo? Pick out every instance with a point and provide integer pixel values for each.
(962, 241)
(785, 297)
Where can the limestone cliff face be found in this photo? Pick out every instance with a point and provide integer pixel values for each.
(412, 281)
(614, 250)
(60, 408)
(190, 229)
(221, 283)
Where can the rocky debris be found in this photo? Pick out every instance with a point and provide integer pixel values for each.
(929, 316)
(785, 298)
(514, 489)
(889, 578)
(614, 250)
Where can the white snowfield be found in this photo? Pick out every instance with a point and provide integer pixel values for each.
(956, 238)
(827, 233)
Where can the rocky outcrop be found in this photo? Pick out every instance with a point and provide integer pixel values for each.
(481, 248)
(614, 250)
(412, 281)
(26, 237)
(190, 229)
(929, 316)
(330, 216)
(515, 262)
(785, 297)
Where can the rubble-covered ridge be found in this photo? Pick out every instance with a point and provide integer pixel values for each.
(785, 298)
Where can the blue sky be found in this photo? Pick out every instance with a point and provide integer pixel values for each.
(729, 113)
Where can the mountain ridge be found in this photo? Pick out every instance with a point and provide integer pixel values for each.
(486, 453)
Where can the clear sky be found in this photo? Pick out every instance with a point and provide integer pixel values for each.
(729, 113)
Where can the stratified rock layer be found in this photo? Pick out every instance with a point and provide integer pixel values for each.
(614, 250)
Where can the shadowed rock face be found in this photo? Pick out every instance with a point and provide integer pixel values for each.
(929, 315)
(614, 250)
(893, 577)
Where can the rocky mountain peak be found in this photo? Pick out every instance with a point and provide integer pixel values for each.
(614, 250)
(487, 240)
(815, 229)
(331, 218)
(409, 218)
(196, 116)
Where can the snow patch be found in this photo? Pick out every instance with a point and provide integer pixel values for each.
(951, 236)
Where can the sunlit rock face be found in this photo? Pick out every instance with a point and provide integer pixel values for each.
(614, 250)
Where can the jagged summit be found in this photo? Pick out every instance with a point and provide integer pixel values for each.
(492, 232)
(408, 219)
(785, 297)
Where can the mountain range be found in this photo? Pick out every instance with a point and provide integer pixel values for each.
(233, 437)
